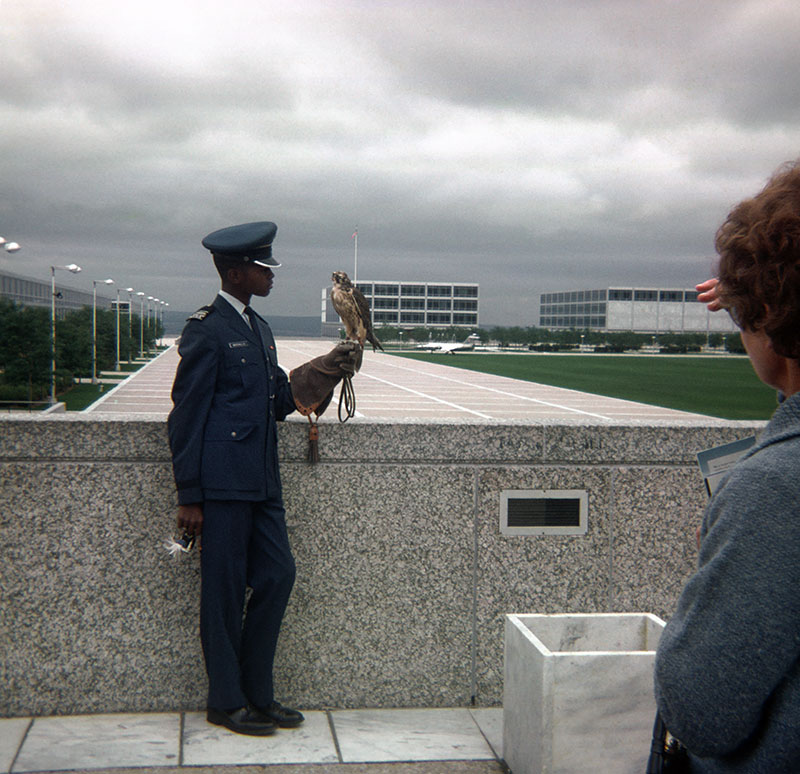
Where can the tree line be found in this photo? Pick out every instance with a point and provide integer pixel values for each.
(25, 348)
(546, 340)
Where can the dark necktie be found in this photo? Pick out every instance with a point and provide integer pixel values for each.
(251, 315)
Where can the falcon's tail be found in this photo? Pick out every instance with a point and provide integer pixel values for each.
(373, 339)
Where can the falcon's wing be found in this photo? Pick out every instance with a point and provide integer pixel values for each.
(362, 307)
(366, 318)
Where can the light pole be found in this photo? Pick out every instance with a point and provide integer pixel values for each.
(116, 366)
(158, 319)
(141, 323)
(74, 268)
(150, 300)
(129, 291)
(94, 324)
(164, 306)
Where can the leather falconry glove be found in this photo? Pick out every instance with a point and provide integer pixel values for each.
(313, 382)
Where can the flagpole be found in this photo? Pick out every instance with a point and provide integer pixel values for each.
(355, 255)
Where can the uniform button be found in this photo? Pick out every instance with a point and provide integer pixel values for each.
(272, 397)
(244, 360)
(233, 434)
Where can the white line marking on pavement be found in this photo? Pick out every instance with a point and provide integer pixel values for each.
(501, 392)
(429, 397)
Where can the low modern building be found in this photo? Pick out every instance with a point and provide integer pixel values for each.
(409, 304)
(643, 310)
(28, 291)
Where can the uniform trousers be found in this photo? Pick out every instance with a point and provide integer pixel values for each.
(244, 544)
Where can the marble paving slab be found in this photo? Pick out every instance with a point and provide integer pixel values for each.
(365, 736)
(208, 745)
(490, 722)
(12, 732)
(100, 741)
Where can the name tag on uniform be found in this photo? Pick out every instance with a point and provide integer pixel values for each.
(235, 344)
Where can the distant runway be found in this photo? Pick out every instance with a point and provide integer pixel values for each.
(400, 389)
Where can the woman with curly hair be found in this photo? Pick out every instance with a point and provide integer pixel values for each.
(727, 674)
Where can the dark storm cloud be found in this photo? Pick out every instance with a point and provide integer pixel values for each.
(528, 146)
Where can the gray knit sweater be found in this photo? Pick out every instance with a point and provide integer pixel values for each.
(727, 674)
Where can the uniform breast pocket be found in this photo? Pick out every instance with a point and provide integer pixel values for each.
(231, 457)
(245, 365)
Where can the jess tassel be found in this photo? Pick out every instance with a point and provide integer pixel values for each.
(313, 442)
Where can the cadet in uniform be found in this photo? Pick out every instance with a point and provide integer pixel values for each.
(228, 394)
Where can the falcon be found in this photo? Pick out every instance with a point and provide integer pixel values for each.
(353, 309)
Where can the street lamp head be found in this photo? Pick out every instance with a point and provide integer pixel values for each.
(73, 267)
(129, 290)
(140, 293)
(11, 247)
(149, 298)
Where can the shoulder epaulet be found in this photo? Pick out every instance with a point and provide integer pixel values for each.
(201, 313)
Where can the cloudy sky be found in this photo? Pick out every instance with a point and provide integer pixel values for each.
(528, 145)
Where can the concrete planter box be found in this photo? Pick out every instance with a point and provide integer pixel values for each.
(578, 692)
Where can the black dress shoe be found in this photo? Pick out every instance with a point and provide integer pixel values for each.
(242, 721)
(280, 715)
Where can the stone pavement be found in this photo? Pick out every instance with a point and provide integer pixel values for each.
(400, 389)
(405, 741)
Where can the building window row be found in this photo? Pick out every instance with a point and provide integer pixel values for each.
(370, 289)
(421, 318)
(434, 304)
(573, 309)
(666, 296)
(573, 297)
(573, 321)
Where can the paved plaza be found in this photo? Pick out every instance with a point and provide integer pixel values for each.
(395, 388)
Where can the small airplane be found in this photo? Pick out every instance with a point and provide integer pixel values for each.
(453, 346)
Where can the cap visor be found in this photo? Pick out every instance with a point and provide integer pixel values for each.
(270, 263)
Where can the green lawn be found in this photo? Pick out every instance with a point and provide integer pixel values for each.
(79, 396)
(723, 387)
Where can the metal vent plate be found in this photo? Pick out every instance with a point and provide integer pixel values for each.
(543, 512)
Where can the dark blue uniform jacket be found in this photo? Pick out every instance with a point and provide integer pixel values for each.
(228, 393)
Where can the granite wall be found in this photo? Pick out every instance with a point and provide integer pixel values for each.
(403, 575)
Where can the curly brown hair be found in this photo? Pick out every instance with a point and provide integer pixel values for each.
(759, 264)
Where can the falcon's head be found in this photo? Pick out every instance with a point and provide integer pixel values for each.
(340, 279)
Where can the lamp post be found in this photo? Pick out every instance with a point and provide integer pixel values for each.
(94, 324)
(150, 300)
(74, 268)
(141, 323)
(9, 247)
(129, 291)
(159, 318)
(164, 305)
(116, 366)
